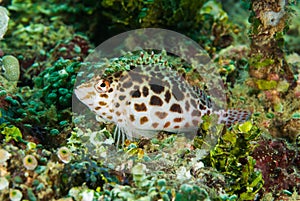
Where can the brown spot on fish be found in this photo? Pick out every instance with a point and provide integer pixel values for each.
(176, 127)
(155, 100)
(102, 103)
(122, 97)
(167, 124)
(89, 95)
(202, 107)
(195, 122)
(140, 107)
(103, 96)
(136, 94)
(180, 119)
(97, 108)
(143, 120)
(131, 117)
(154, 125)
(176, 108)
(187, 105)
(145, 91)
(118, 113)
(157, 88)
(167, 96)
(161, 115)
(186, 125)
(196, 113)
(116, 74)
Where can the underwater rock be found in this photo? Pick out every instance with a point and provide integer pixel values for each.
(64, 154)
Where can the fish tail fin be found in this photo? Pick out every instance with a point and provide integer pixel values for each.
(231, 116)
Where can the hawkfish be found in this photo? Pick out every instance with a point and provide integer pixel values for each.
(150, 97)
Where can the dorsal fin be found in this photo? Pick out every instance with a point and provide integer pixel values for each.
(203, 97)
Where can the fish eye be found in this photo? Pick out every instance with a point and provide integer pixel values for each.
(102, 86)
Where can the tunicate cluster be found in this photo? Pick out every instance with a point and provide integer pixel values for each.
(10, 68)
(30, 162)
(64, 154)
(15, 195)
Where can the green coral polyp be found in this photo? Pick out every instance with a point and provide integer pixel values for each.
(57, 83)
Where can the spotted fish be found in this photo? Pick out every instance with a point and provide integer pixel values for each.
(149, 97)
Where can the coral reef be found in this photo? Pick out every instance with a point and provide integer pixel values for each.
(48, 153)
(272, 77)
(206, 20)
(268, 25)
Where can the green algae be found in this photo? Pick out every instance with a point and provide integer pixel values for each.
(231, 156)
(11, 133)
(258, 61)
(266, 84)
